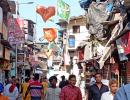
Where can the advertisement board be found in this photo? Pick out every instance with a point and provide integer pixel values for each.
(16, 33)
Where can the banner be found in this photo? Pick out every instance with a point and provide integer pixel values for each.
(16, 33)
(121, 54)
(125, 43)
(63, 10)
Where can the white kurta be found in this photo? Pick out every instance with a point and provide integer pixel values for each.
(13, 95)
(53, 94)
(107, 96)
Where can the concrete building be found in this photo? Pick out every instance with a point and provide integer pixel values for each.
(74, 34)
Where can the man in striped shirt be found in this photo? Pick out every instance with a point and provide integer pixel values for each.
(36, 89)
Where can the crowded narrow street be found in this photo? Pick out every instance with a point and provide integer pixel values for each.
(64, 49)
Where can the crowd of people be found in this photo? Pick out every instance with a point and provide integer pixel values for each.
(47, 89)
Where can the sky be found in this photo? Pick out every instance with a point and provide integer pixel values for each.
(28, 11)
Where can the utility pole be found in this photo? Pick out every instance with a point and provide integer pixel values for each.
(16, 47)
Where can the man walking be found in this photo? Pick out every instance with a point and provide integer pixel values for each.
(97, 89)
(36, 89)
(11, 90)
(113, 85)
(63, 82)
(71, 92)
(24, 88)
(123, 93)
(53, 91)
(2, 97)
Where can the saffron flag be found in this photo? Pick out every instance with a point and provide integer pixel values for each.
(63, 10)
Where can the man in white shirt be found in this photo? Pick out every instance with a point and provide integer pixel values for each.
(53, 92)
(11, 90)
(113, 85)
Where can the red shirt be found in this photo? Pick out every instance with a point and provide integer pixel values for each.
(70, 93)
(36, 89)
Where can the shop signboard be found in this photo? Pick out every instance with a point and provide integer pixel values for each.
(1, 19)
(16, 33)
(125, 43)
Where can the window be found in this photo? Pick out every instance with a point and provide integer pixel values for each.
(71, 41)
(76, 29)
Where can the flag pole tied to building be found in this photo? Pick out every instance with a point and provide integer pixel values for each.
(63, 10)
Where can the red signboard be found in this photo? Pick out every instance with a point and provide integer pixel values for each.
(125, 43)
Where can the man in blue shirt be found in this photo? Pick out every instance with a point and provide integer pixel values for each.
(97, 89)
(123, 93)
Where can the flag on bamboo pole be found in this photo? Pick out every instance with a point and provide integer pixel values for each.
(63, 10)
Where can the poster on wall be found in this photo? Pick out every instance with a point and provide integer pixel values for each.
(1, 19)
(125, 43)
(16, 34)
